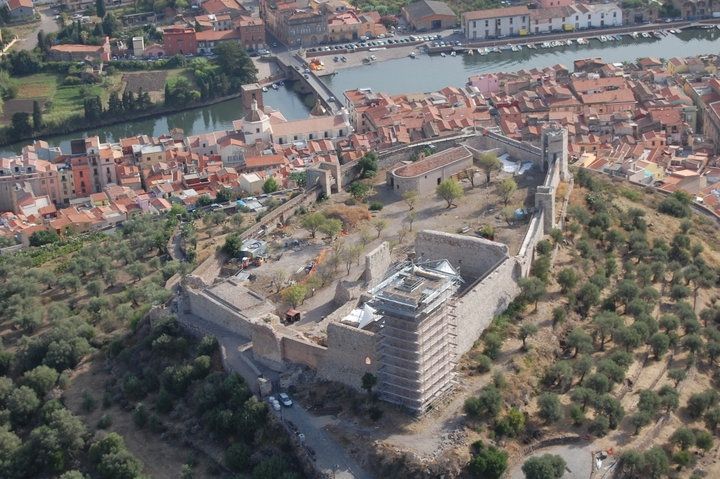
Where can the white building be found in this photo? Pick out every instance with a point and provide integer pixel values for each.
(496, 23)
(513, 21)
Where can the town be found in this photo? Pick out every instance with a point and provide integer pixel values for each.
(359, 239)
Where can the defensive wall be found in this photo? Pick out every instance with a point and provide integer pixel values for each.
(351, 353)
(472, 256)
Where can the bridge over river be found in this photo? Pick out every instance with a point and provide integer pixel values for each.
(295, 68)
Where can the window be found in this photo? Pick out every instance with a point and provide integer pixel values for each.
(487, 23)
(257, 130)
(511, 20)
(438, 180)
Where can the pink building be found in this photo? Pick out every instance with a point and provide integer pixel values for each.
(489, 83)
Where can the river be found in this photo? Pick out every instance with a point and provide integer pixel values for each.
(432, 73)
(424, 74)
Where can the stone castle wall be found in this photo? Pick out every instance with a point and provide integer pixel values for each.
(490, 296)
(204, 306)
(346, 358)
(471, 256)
(377, 263)
(302, 352)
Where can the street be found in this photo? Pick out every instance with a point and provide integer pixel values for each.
(47, 23)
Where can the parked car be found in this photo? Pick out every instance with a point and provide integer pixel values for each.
(285, 400)
(274, 403)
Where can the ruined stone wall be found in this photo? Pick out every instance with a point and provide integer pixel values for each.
(302, 352)
(212, 311)
(477, 307)
(471, 256)
(346, 355)
(377, 263)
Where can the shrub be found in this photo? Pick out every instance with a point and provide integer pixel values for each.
(376, 206)
(104, 422)
(237, 457)
(484, 363)
(599, 426)
(489, 462)
(72, 80)
(547, 466)
(677, 205)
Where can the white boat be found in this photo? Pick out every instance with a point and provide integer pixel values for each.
(645, 35)
(442, 54)
(634, 34)
(520, 47)
(582, 41)
(373, 57)
(603, 38)
(264, 89)
(514, 48)
(496, 50)
(471, 51)
(569, 42)
(452, 53)
(412, 55)
(657, 35)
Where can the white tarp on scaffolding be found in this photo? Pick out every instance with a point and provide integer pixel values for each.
(361, 317)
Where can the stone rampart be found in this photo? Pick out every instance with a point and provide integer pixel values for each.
(534, 234)
(303, 352)
(471, 256)
(490, 296)
(348, 353)
(215, 311)
(266, 346)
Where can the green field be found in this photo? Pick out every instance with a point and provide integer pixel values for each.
(61, 101)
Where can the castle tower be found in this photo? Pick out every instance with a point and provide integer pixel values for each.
(555, 147)
(249, 93)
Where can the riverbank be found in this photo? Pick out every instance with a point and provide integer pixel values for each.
(110, 121)
(359, 58)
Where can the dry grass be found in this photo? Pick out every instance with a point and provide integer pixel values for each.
(350, 216)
